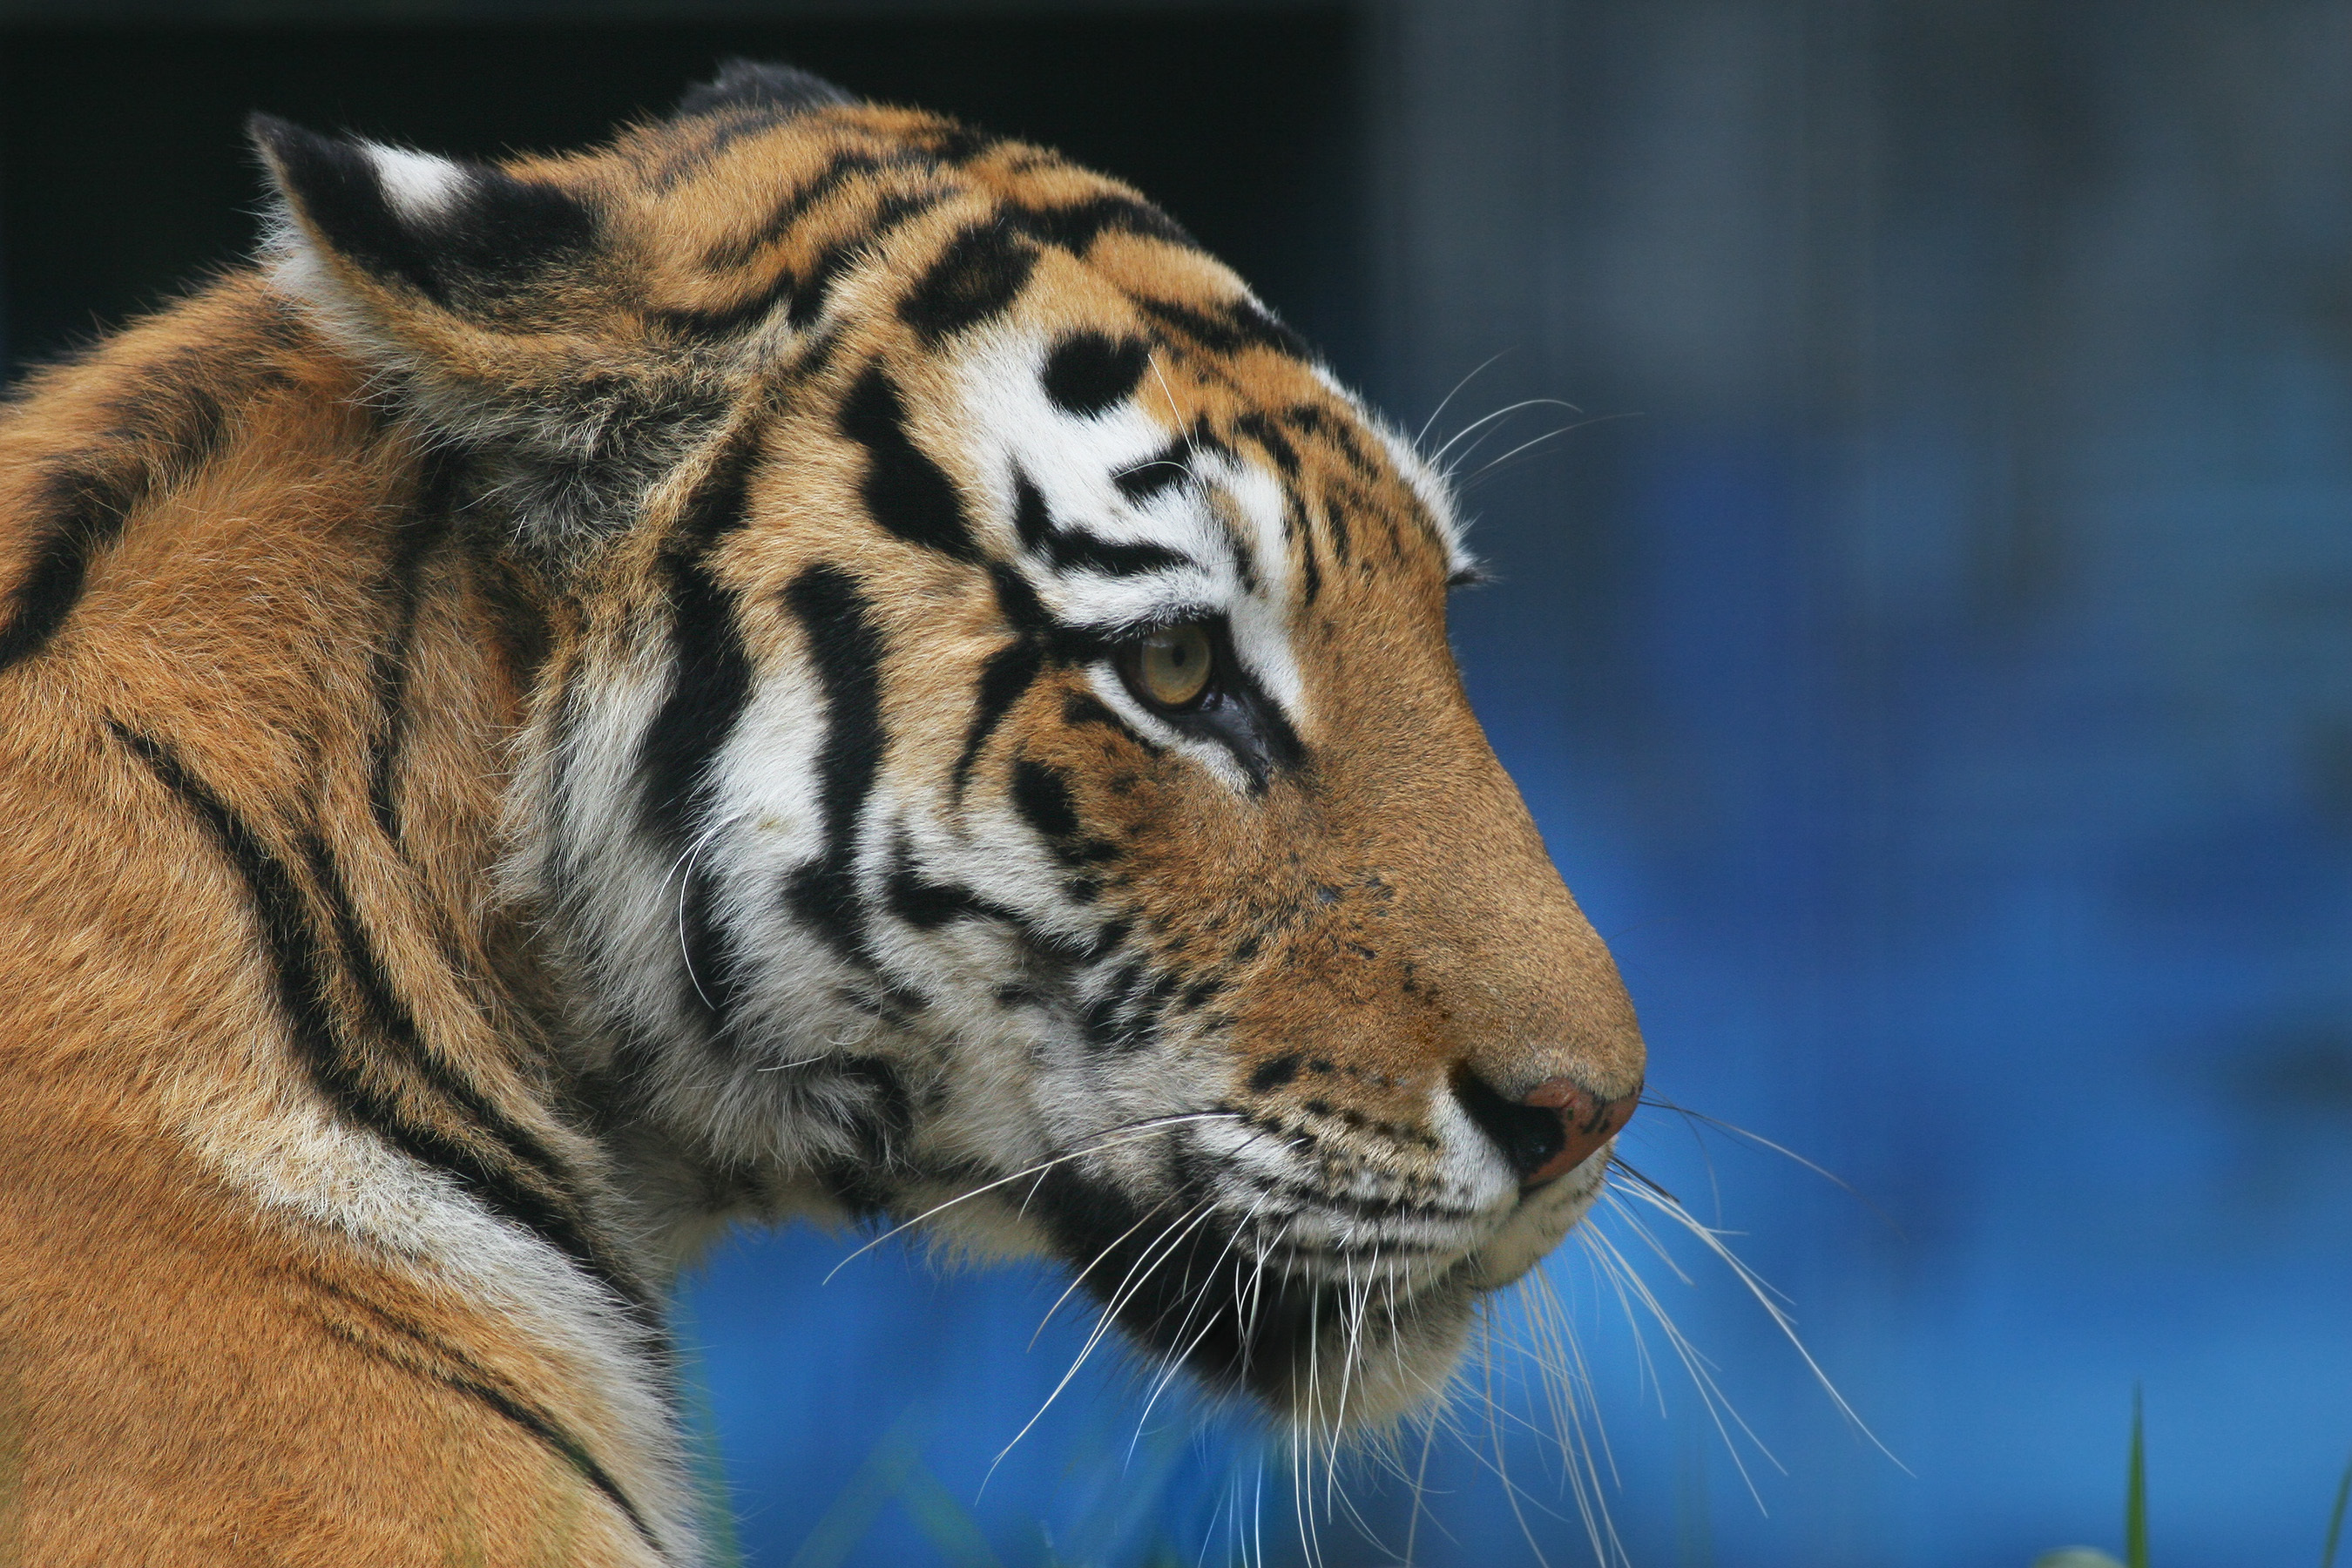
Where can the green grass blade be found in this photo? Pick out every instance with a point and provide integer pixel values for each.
(2336, 1520)
(2136, 1493)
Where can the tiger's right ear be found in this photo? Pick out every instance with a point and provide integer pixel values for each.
(394, 228)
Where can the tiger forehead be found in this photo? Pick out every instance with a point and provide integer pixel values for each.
(900, 241)
(732, 198)
(731, 169)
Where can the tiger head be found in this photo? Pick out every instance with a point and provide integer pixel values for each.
(996, 755)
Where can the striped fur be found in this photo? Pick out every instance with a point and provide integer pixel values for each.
(585, 698)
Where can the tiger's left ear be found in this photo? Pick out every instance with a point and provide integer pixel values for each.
(501, 304)
(461, 236)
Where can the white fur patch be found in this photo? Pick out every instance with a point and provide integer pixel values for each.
(419, 186)
(292, 1156)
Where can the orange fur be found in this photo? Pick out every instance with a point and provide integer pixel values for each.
(297, 659)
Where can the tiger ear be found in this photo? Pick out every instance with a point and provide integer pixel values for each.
(501, 304)
(461, 235)
(765, 87)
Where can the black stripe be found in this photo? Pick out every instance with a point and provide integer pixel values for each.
(543, 1207)
(1023, 610)
(974, 279)
(1227, 328)
(1125, 1018)
(1076, 226)
(807, 293)
(711, 680)
(302, 985)
(171, 423)
(573, 1451)
(1011, 669)
(1262, 430)
(1076, 550)
(905, 492)
(1311, 421)
(926, 905)
(711, 685)
(1042, 795)
(954, 143)
(427, 524)
(1089, 372)
(1033, 519)
(1334, 521)
(1295, 525)
(892, 211)
(715, 323)
(846, 645)
(1009, 672)
(844, 167)
(1161, 472)
(479, 1384)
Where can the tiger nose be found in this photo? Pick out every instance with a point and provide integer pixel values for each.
(1554, 1128)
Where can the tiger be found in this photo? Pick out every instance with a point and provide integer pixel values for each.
(807, 661)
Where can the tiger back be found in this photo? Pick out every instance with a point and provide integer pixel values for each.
(806, 661)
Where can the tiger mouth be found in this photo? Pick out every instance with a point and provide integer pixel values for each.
(1344, 1334)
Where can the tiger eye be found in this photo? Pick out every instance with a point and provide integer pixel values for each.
(1174, 664)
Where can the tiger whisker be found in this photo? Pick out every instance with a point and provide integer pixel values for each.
(1493, 463)
(1632, 1288)
(1116, 1135)
(1422, 434)
(1437, 459)
(1175, 1363)
(1126, 1286)
(1079, 1278)
(683, 870)
(1764, 1294)
(1757, 1139)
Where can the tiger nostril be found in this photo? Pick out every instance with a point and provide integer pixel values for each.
(1558, 1126)
(1586, 1121)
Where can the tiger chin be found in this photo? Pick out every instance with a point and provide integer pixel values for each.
(808, 660)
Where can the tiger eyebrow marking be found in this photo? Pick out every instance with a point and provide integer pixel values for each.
(1077, 548)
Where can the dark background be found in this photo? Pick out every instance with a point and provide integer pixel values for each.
(1929, 657)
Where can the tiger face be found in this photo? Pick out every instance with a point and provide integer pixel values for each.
(996, 755)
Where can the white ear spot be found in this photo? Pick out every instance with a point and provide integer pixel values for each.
(419, 186)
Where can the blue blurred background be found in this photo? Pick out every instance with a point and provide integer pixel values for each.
(1930, 655)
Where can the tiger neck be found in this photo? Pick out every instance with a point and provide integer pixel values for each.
(265, 596)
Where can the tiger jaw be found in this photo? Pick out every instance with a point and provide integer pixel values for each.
(1336, 1338)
